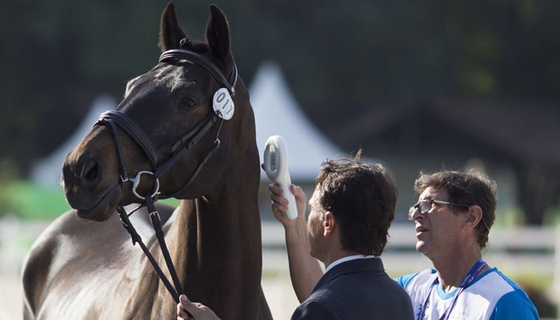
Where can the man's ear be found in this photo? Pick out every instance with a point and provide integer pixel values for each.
(474, 215)
(329, 223)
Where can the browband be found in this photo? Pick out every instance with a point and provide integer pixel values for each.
(206, 64)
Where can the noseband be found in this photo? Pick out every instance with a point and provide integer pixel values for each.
(114, 119)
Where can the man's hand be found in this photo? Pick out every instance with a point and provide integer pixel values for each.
(194, 310)
(280, 204)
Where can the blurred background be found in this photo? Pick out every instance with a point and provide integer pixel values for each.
(419, 86)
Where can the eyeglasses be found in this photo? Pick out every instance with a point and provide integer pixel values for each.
(425, 206)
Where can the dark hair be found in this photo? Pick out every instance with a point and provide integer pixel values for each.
(362, 199)
(470, 188)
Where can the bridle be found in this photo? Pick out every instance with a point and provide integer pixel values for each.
(115, 119)
(182, 144)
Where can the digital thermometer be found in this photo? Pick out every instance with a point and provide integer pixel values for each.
(276, 168)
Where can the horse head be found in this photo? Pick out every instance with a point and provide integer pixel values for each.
(172, 133)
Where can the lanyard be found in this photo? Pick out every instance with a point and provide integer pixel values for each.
(473, 273)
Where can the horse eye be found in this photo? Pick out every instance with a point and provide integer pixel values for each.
(188, 103)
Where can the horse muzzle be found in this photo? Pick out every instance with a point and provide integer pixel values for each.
(87, 188)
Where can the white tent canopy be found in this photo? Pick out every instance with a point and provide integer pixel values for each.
(277, 113)
(47, 171)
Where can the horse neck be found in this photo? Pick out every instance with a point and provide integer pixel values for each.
(231, 206)
(218, 236)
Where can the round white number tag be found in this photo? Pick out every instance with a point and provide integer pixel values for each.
(223, 104)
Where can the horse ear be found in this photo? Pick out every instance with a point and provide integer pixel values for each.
(217, 36)
(170, 32)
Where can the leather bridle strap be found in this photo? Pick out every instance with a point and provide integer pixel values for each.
(136, 238)
(187, 142)
(114, 118)
(115, 132)
(133, 130)
(206, 64)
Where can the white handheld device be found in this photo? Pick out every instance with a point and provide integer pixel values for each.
(276, 168)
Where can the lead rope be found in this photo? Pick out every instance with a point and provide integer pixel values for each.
(156, 223)
(155, 218)
(136, 238)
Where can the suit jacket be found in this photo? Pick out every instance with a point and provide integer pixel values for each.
(356, 289)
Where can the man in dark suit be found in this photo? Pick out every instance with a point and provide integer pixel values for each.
(351, 210)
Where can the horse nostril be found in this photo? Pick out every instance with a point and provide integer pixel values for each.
(90, 172)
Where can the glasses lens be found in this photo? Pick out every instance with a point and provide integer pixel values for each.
(424, 206)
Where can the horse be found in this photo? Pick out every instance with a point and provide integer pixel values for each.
(184, 129)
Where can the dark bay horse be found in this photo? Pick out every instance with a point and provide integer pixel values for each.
(163, 140)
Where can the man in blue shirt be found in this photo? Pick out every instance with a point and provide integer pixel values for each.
(453, 217)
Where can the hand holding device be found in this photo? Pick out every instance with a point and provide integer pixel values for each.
(276, 168)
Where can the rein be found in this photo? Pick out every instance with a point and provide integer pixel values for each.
(114, 119)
